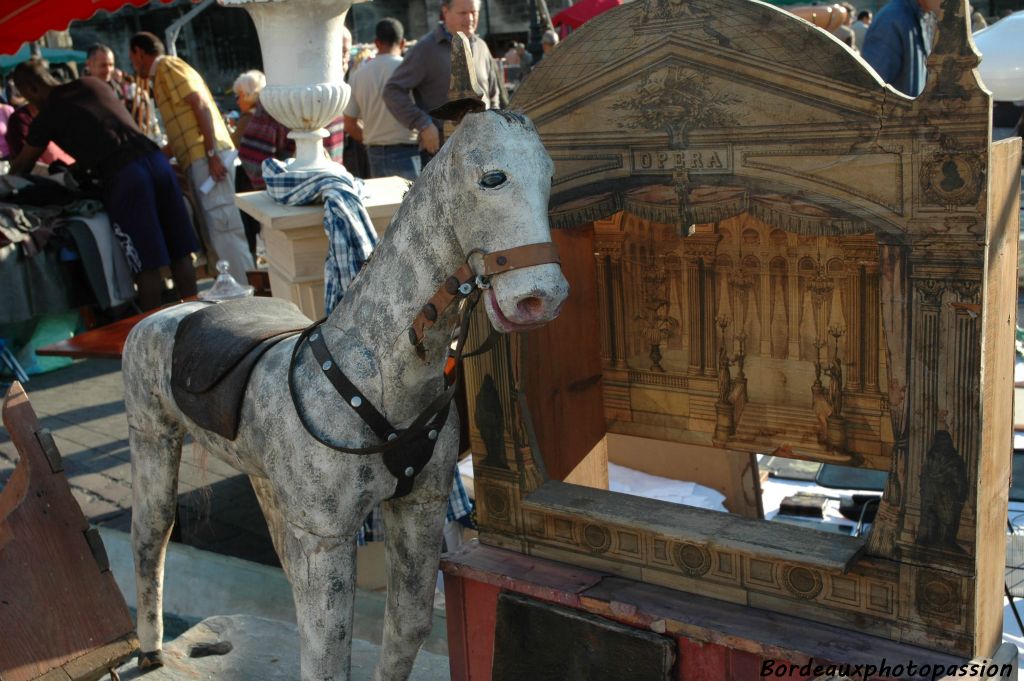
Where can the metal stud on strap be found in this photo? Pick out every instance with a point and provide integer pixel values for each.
(432, 435)
(409, 472)
(326, 366)
(356, 401)
(392, 436)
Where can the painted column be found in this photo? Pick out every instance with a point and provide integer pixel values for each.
(693, 313)
(604, 305)
(872, 348)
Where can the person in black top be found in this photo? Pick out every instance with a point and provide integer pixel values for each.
(139, 188)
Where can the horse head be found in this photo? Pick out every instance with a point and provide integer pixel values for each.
(497, 160)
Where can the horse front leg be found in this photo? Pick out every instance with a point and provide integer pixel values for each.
(322, 571)
(412, 541)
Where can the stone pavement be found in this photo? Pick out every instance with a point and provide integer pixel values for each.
(83, 406)
(243, 648)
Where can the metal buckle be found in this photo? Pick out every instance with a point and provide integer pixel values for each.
(482, 282)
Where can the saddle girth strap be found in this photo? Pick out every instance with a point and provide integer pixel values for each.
(404, 462)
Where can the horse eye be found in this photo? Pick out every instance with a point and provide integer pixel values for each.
(493, 179)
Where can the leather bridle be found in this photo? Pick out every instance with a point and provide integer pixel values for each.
(407, 451)
(464, 278)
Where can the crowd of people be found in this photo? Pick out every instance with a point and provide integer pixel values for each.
(897, 41)
(138, 140)
(106, 127)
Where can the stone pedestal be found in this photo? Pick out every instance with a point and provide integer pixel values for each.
(297, 244)
(837, 433)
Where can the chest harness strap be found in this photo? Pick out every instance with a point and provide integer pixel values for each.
(406, 452)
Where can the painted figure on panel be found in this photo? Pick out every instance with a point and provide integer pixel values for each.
(943, 493)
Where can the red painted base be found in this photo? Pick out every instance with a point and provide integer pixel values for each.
(717, 641)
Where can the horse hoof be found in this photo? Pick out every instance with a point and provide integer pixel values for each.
(150, 661)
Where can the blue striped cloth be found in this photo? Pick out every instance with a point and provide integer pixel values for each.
(350, 238)
(350, 233)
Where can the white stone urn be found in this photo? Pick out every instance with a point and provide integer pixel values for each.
(302, 57)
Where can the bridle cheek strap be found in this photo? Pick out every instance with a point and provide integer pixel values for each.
(495, 263)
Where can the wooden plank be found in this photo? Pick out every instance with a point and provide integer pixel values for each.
(503, 568)
(994, 464)
(457, 627)
(481, 608)
(59, 606)
(751, 630)
(561, 372)
(729, 532)
(698, 618)
(95, 664)
(105, 342)
(592, 471)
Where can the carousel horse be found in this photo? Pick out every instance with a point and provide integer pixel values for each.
(314, 423)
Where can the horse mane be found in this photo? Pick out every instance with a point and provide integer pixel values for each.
(513, 117)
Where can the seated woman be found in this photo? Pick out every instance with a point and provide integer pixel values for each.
(247, 89)
(263, 137)
(257, 135)
(247, 95)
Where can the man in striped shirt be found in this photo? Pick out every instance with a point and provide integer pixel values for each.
(199, 140)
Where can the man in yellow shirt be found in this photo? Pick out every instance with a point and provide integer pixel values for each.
(198, 138)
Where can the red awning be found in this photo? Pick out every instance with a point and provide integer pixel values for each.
(25, 20)
(583, 11)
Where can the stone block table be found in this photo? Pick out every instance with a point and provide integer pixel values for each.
(296, 242)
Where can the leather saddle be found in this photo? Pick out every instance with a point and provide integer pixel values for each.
(215, 350)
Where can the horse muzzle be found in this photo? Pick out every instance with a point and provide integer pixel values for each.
(523, 299)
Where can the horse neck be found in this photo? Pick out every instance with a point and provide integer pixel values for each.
(417, 253)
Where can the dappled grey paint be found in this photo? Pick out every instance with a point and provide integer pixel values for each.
(323, 495)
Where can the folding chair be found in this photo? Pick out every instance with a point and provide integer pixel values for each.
(8, 359)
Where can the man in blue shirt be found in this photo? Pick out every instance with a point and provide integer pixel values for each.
(898, 42)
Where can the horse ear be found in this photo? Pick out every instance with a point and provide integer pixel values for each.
(465, 95)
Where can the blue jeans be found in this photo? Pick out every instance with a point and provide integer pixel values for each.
(395, 159)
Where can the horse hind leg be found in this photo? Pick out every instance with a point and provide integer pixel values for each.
(155, 459)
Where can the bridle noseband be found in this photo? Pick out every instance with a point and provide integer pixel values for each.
(464, 279)
(407, 451)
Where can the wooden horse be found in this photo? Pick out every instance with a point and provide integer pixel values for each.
(474, 223)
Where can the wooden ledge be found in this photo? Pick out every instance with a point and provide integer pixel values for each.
(687, 524)
(698, 618)
(105, 342)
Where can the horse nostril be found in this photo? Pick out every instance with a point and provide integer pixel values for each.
(530, 308)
